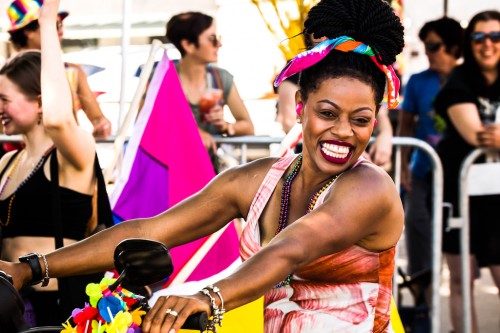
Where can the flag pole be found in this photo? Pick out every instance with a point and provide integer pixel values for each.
(133, 110)
(289, 141)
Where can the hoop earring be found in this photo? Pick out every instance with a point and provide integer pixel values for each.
(39, 121)
(298, 109)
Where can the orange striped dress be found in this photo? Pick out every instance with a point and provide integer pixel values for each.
(349, 291)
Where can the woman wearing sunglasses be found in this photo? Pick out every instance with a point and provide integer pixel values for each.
(469, 103)
(207, 87)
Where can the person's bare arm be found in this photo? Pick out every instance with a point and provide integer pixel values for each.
(381, 149)
(243, 124)
(75, 146)
(465, 118)
(205, 212)
(102, 125)
(287, 115)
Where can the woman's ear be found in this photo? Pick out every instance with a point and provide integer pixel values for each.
(187, 45)
(39, 100)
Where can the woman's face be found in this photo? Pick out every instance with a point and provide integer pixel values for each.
(17, 112)
(337, 122)
(209, 44)
(485, 50)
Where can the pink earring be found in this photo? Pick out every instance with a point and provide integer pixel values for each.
(375, 123)
(298, 109)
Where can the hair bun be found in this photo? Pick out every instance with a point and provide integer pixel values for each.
(372, 22)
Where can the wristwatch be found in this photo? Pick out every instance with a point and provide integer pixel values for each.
(32, 259)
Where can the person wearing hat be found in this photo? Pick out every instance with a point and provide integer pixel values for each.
(25, 35)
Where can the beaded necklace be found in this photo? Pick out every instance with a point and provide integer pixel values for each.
(14, 166)
(285, 203)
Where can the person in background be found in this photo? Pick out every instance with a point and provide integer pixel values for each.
(36, 103)
(467, 104)
(322, 225)
(25, 35)
(443, 42)
(208, 88)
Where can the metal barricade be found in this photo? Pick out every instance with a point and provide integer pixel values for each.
(244, 142)
(475, 180)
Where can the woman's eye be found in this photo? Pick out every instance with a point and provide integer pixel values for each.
(362, 121)
(327, 113)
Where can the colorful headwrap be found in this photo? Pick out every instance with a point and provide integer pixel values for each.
(345, 44)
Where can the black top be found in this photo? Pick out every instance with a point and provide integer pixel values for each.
(31, 209)
(462, 86)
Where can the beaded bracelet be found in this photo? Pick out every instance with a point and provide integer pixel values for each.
(217, 313)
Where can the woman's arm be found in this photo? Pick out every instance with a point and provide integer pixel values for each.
(102, 125)
(381, 149)
(75, 145)
(243, 124)
(465, 118)
(287, 115)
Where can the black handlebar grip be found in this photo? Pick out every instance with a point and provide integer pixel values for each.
(197, 321)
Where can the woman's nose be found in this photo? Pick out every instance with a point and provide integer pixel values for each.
(342, 128)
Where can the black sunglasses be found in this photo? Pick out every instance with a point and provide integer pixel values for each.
(432, 47)
(480, 37)
(215, 40)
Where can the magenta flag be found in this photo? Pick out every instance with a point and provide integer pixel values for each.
(165, 162)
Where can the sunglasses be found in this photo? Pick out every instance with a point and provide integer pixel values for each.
(215, 40)
(432, 47)
(480, 37)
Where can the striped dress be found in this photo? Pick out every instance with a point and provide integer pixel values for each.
(349, 291)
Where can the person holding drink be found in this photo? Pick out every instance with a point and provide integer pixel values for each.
(208, 88)
(467, 103)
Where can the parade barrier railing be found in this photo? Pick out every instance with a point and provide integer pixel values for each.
(475, 180)
(248, 142)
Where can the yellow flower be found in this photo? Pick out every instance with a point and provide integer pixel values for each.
(120, 323)
(137, 316)
(96, 328)
(68, 328)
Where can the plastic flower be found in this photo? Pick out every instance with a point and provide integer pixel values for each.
(109, 306)
(93, 290)
(120, 323)
(129, 301)
(88, 313)
(68, 328)
(137, 315)
(96, 328)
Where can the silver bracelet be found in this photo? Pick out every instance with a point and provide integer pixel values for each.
(216, 290)
(217, 314)
(46, 279)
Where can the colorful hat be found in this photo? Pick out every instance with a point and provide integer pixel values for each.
(23, 12)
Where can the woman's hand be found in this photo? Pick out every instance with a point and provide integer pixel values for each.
(20, 273)
(170, 312)
(208, 141)
(102, 128)
(49, 11)
(215, 117)
(489, 136)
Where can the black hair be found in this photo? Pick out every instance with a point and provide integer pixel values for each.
(18, 37)
(470, 62)
(371, 22)
(24, 71)
(189, 26)
(449, 30)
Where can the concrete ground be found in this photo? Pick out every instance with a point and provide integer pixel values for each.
(486, 298)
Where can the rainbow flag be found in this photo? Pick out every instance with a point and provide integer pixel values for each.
(165, 162)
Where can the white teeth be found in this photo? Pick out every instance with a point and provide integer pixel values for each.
(334, 151)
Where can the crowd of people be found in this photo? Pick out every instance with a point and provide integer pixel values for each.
(335, 91)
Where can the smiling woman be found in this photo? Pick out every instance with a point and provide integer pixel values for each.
(469, 104)
(322, 226)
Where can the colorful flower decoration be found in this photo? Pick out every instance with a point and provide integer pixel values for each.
(117, 311)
